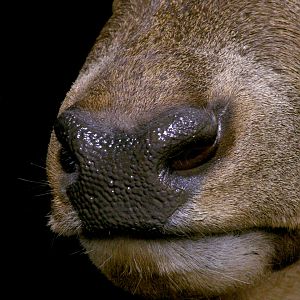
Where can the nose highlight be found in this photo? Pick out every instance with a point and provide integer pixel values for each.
(119, 184)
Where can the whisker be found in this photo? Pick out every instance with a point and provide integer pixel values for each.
(89, 251)
(43, 194)
(228, 276)
(137, 285)
(39, 166)
(41, 182)
(174, 283)
(81, 251)
(54, 239)
(107, 260)
(137, 267)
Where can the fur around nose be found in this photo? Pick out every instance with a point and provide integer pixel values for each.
(118, 181)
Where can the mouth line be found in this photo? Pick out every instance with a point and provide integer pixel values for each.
(165, 236)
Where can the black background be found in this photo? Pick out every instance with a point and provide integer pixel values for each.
(44, 45)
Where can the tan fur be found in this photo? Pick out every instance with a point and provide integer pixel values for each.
(153, 55)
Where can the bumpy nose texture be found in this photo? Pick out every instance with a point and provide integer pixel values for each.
(119, 182)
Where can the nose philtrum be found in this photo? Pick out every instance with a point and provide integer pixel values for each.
(119, 182)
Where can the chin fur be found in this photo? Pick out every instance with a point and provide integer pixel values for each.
(202, 267)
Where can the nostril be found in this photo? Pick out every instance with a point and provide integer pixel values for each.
(68, 160)
(192, 140)
(192, 155)
(65, 129)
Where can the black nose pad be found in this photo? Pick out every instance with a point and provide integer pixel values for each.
(120, 176)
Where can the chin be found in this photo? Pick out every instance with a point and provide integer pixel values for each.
(181, 267)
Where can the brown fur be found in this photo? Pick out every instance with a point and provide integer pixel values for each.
(244, 222)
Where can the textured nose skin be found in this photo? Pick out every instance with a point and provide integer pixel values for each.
(119, 182)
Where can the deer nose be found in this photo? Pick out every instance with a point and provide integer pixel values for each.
(132, 181)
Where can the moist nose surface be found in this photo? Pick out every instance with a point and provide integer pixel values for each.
(119, 184)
